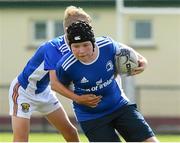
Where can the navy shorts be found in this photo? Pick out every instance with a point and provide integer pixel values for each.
(127, 121)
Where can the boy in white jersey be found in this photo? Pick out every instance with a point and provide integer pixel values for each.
(30, 91)
(90, 67)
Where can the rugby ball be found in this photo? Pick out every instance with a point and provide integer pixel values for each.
(126, 61)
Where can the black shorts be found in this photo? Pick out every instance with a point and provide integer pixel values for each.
(127, 121)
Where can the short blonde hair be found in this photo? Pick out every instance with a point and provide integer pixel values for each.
(73, 14)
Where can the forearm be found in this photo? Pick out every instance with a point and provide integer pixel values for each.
(90, 100)
(60, 88)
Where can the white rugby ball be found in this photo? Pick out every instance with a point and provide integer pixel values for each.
(126, 60)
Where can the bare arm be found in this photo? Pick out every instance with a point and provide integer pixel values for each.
(87, 99)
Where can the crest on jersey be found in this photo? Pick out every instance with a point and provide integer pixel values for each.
(109, 66)
(25, 107)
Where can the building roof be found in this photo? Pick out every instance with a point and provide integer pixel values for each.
(86, 3)
(152, 3)
(55, 3)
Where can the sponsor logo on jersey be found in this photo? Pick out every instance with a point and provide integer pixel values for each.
(99, 82)
(99, 86)
(25, 107)
(84, 80)
(109, 66)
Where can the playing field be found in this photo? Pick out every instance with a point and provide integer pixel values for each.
(52, 137)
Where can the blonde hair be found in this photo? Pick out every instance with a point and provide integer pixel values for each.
(73, 14)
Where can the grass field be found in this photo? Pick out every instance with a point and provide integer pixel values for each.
(52, 137)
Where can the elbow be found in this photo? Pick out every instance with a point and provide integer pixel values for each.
(53, 86)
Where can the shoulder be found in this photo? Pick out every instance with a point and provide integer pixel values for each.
(59, 44)
(58, 41)
(103, 41)
(106, 43)
(67, 61)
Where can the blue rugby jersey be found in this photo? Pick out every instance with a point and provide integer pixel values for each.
(96, 78)
(35, 76)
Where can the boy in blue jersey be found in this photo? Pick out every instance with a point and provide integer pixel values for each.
(90, 67)
(30, 91)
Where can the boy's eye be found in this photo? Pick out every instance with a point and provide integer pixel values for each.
(85, 45)
(76, 46)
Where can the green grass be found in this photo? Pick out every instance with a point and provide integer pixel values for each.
(39, 137)
(53, 137)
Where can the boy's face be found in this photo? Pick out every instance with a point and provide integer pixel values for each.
(82, 51)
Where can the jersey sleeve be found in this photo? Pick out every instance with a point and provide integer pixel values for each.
(118, 46)
(115, 45)
(122, 46)
(62, 75)
(51, 57)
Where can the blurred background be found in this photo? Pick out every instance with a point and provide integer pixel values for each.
(151, 27)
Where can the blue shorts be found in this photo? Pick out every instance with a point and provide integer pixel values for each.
(127, 121)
